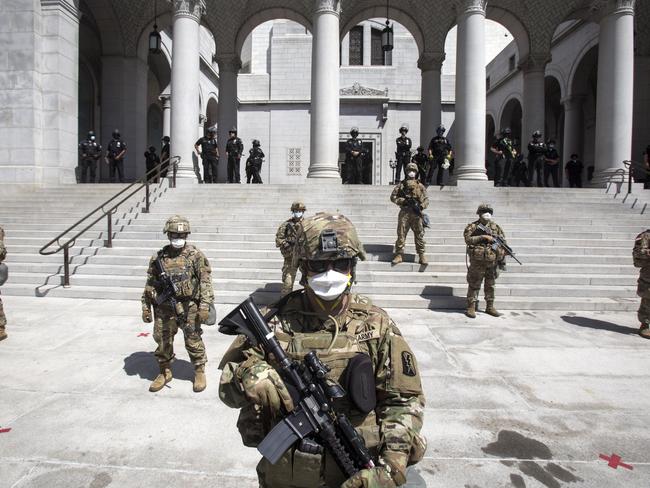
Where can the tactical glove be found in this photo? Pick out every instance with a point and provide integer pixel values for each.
(370, 478)
(263, 386)
(204, 313)
(146, 315)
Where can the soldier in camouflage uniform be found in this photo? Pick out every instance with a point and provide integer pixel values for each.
(285, 238)
(3, 255)
(408, 191)
(484, 262)
(641, 256)
(190, 271)
(341, 327)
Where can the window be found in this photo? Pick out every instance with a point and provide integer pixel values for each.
(377, 54)
(511, 63)
(356, 46)
(487, 84)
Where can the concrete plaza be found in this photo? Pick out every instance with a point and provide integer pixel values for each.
(530, 399)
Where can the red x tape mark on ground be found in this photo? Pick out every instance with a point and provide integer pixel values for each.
(4, 431)
(143, 334)
(614, 461)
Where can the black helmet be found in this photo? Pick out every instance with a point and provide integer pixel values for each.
(403, 128)
(91, 134)
(354, 131)
(233, 130)
(506, 131)
(116, 134)
(166, 139)
(212, 130)
(256, 142)
(420, 149)
(152, 149)
(441, 129)
(537, 134)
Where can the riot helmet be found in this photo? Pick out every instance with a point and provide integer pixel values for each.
(440, 130)
(404, 128)
(116, 134)
(256, 143)
(354, 132)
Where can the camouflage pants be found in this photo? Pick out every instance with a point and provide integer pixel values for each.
(644, 311)
(288, 276)
(407, 220)
(165, 329)
(475, 274)
(3, 318)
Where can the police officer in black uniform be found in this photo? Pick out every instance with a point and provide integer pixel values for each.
(422, 161)
(403, 152)
(254, 163)
(505, 151)
(551, 164)
(354, 158)
(574, 168)
(152, 160)
(165, 154)
(234, 150)
(439, 150)
(209, 155)
(115, 153)
(89, 151)
(536, 152)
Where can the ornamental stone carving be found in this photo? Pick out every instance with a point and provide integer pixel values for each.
(471, 6)
(356, 90)
(431, 61)
(229, 63)
(192, 9)
(327, 7)
(607, 7)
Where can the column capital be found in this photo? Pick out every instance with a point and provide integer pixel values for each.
(229, 62)
(610, 7)
(166, 100)
(191, 9)
(535, 62)
(573, 102)
(431, 61)
(471, 6)
(327, 7)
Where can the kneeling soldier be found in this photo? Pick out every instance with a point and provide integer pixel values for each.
(179, 286)
(358, 342)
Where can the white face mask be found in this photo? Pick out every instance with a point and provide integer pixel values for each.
(412, 174)
(297, 215)
(329, 285)
(177, 243)
(486, 216)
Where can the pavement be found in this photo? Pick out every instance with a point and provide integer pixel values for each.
(530, 399)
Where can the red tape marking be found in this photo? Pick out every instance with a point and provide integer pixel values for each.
(143, 334)
(4, 431)
(614, 461)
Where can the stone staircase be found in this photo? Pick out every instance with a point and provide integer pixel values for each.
(575, 244)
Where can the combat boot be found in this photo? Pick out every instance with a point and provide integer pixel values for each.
(162, 379)
(644, 331)
(490, 310)
(423, 259)
(396, 259)
(199, 378)
(471, 310)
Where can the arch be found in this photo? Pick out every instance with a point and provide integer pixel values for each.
(516, 27)
(553, 72)
(265, 15)
(394, 13)
(88, 113)
(102, 13)
(577, 74)
(514, 95)
(154, 125)
(511, 116)
(211, 111)
(554, 110)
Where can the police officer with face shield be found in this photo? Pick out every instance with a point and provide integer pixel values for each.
(355, 339)
(354, 158)
(89, 151)
(115, 154)
(403, 152)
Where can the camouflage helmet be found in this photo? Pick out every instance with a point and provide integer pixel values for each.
(298, 206)
(411, 167)
(327, 236)
(177, 224)
(484, 207)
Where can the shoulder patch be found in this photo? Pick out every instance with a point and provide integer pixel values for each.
(408, 364)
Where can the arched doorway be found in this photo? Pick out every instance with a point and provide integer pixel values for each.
(490, 129)
(154, 126)
(511, 118)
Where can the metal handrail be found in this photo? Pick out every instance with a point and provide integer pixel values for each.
(144, 182)
(637, 166)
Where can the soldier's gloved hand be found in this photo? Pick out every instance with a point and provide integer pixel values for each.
(371, 478)
(263, 386)
(146, 315)
(204, 313)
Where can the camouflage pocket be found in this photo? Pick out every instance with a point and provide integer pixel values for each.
(418, 448)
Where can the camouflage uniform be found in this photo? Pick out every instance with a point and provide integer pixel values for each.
(408, 219)
(641, 256)
(285, 237)
(3, 318)
(483, 261)
(391, 431)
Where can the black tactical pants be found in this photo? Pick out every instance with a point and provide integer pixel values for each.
(116, 165)
(402, 160)
(437, 162)
(502, 171)
(535, 165)
(354, 168)
(88, 166)
(255, 172)
(552, 170)
(210, 170)
(233, 169)
(575, 180)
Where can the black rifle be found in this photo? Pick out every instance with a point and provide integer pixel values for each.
(413, 204)
(498, 242)
(313, 420)
(167, 292)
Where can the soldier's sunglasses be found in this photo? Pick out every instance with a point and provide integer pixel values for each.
(343, 265)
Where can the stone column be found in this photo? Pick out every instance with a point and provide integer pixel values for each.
(166, 106)
(534, 103)
(367, 44)
(469, 134)
(572, 139)
(345, 50)
(430, 65)
(185, 82)
(324, 129)
(229, 66)
(615, 89)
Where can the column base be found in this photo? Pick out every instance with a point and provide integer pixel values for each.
(323, 171)
(321, 181)
(471, 184)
